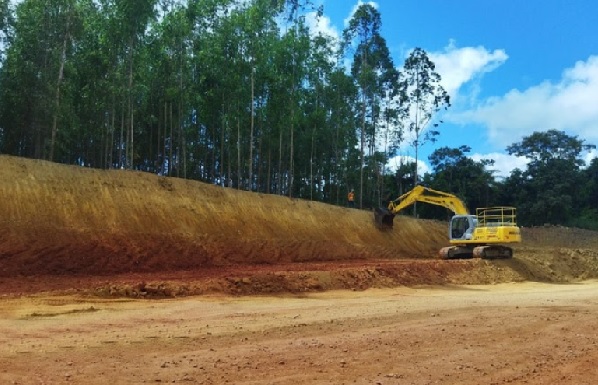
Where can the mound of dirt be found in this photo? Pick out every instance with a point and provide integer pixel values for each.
(132, 233)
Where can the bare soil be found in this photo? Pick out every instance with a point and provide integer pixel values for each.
(126, 277)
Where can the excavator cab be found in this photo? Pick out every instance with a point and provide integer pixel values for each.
(462, 227)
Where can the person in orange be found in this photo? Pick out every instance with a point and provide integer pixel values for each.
(351, 198)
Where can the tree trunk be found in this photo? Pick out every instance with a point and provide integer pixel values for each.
(122, 143)
(279, 183)
(171, 141)
(250, 166)
(268, 180)
(311, 166)
(222, 138)
(239, 171)
(57, 96)
(164, 143)
(111, 144)
(130, 106)
(362, 152)
(181, 128)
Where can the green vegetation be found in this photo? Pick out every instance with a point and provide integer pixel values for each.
(240, 93)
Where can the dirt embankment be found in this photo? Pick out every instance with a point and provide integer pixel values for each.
(131, 233)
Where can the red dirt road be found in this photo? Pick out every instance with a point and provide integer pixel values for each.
(509, 333)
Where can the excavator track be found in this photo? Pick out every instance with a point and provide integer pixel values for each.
(493, 252)
(482, 252)
(456, 252)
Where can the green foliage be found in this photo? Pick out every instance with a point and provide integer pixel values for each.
(543, 147)
(240, 93)
(587, 219)
(461, 175)
(455, 172)
(422, 97)
(549, 191)
(6, 21)
(376, 78)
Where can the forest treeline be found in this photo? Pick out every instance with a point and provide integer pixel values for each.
(242, 93)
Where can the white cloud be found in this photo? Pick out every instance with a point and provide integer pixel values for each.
(458, 66)
(569, 105)
(503, 163)
(590, 155)
(394, 163)
(355, 7)
(321, 25)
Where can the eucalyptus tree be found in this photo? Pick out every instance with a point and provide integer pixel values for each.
(68, 21)
(297, 43)
(101, 74)
(5, 23)
(282, 110)
(84, 92)
(313, 141)
(165, 102)
(133, 17)
(392, 113)
(258, 72)
(34, 73)
(341, 113)
(371, 61)
(6, 20)
(262, 40)
(215, 78)
(423, 97)
(4, 14)
(233, 47)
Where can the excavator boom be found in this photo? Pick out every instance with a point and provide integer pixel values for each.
(384, 216)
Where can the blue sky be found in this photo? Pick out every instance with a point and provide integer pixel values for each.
(512, 67)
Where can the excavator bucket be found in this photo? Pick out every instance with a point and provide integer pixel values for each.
(383, 217)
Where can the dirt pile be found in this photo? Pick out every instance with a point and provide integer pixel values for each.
(131, 233)
(59, 219)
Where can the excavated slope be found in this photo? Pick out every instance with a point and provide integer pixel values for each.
(58, 220)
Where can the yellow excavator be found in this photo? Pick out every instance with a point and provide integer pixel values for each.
(479, 236)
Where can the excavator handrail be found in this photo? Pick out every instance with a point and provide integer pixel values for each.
(497, 216)
(427, 195)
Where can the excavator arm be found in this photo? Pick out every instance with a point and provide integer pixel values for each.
(479, 235)
(385, 216)
(428, 195)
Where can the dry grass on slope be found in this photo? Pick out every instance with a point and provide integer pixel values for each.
(58, 219)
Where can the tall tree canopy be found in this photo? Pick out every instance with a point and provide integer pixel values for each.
(242, 93)
(422, 96)
(372, 69)
(546, 192)
(544, 147)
